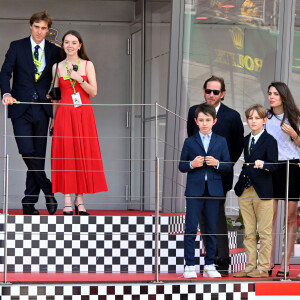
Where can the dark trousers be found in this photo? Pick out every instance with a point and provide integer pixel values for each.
(33, 125)
(222, 250)
(194, 209)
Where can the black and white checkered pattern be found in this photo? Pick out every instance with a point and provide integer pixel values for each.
(95, 244)
(145, 291)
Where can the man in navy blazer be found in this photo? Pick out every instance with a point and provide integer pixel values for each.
(30, 61)
(231, 127)
(204, 157)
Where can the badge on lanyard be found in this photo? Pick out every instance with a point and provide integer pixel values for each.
(76, 99)
(76, 96)
(37, 76)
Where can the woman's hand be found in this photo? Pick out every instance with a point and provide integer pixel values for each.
(74, 75)
(289, 130)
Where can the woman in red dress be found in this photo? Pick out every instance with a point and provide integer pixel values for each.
(75, 157)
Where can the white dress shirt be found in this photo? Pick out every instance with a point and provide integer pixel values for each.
(41, 52)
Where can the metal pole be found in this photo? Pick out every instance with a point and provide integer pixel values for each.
(156, 199)
(156, 130)
(5, 150)
(156, 219)
(286, 216)
(5, 225)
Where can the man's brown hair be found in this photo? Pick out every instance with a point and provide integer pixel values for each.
(41, 16)
(218, 79)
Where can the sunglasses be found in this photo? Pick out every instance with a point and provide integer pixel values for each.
(216, 92)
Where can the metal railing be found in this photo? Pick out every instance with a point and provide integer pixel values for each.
(157, 161)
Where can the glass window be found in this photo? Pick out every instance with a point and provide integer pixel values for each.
(236, 40)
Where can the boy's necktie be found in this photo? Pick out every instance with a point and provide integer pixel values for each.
(36, 55)
(252, 144)
(248, 183)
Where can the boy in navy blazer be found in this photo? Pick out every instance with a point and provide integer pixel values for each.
(255, 191)
(231, 127)
(204, 157)
(30, 61)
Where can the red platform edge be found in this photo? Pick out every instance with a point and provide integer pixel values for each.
(59, 212)
(266, 288)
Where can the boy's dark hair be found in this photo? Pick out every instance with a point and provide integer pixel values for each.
(206, 109)
(261, 111)
(41, 16)
(218, 79)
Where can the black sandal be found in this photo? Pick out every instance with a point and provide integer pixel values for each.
(281, 273)
(68, 213)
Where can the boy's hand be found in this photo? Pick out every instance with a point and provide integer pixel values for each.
(258, 164)
(197, 162)
(211, 161)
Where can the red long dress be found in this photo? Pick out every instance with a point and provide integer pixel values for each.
(75, 156)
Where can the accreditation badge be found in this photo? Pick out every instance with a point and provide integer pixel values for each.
(37, 76)
(77, 99)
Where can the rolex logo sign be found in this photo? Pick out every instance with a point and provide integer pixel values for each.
(52, 37)
(237, 36)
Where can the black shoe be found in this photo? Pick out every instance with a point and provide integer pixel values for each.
(68, 213)
(80, 212)
(281, 273)
(270, 271)
(29, 210)
(222, 266)
(51, 204)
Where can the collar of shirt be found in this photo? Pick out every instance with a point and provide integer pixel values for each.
(257, 136)
(33, 44)
(217, 108)
(206, 135)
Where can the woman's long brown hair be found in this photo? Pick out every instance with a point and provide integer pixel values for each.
(81, 52)
(290, 109)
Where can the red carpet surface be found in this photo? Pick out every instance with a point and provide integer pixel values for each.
(132, 277)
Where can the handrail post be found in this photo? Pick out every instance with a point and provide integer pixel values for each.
(286, 215)
(5, 221)
(5, 152)
(156, 198)
(156, 130)
(156, 280)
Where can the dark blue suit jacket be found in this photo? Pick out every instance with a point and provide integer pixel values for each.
(19, 62)
(230, 126)
(264, 149)
(195, 185)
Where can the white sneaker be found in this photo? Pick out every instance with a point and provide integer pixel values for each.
(190, 272)
(211, 272)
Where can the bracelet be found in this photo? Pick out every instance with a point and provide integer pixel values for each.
(294, 139)
(82, 81)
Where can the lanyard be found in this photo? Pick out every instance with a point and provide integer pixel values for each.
(37, 64)
(73, 82)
